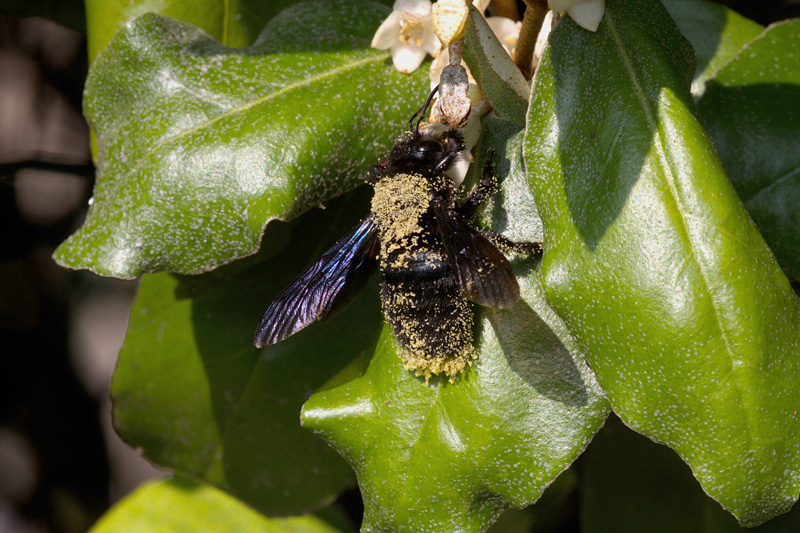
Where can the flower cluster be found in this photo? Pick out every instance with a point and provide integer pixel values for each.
(408, 31)
(409, 34)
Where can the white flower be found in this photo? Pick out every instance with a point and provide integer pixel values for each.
(587, 13)
(438, 64)
(408, 33)
(507, 32)
(541, 40)
(458, 171)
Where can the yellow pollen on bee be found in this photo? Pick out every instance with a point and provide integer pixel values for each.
(399, 205)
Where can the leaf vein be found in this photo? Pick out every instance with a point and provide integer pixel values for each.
(768, 189)
(669, 166)
(258, 101)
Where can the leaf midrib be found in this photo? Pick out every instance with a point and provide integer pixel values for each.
(165, 141)
(670, 177)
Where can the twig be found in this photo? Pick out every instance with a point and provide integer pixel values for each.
(535, 11)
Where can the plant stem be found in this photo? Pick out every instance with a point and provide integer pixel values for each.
(535, 11)
(505, 8)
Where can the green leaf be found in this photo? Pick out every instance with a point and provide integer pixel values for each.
(231, 22)
(499, 79)
(752, 120)
(193, 394)
(512, 211)
(179, 505)
(752, 111)
(654, 265)
(201, 145)
(629, 483)
(552, 512)
(715, 32)
(452, 457)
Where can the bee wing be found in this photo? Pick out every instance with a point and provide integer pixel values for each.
(484, 274)
(326, 288)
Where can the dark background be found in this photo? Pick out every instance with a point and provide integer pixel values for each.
(61, 465)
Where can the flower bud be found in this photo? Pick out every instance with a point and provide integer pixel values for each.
(450, 20)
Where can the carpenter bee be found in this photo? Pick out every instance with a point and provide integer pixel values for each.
(432, 260)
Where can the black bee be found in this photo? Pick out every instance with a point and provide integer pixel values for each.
(433, 262)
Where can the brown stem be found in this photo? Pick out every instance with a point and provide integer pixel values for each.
(505, 8)
(535, 11)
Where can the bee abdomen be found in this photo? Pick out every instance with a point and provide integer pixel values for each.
(431, 320)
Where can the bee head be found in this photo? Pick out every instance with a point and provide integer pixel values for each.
(428, 152)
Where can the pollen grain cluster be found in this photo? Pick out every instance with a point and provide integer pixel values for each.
(431, 319)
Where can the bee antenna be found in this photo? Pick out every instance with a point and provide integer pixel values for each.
(421, 112)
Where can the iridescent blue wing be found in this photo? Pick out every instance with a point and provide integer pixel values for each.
(483, 272)
(327, 287)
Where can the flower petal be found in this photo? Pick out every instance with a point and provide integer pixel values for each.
(541, 40)
(458, 171)
(407, 58)
(428, 40)
(414, 10)
(587, 13)
(502, 26)
(438, 64)
(471, 132)
(388, 33)
(559, 5)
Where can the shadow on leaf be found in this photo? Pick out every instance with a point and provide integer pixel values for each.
(534, 352)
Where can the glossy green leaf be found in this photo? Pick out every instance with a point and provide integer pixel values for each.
(715, 32)
(452, 457)
(629, 483)
(752, 120)
(512, 211)
(752, 111)
(179, 505)
(199, 145)
(231, 22)
(655, 266)
(193, 394)
(235, 23)
(553, 512)
(499, 79)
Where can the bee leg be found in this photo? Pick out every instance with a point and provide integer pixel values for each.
(482, 191)
(504, 244)
(446, 162)
(477, 196)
